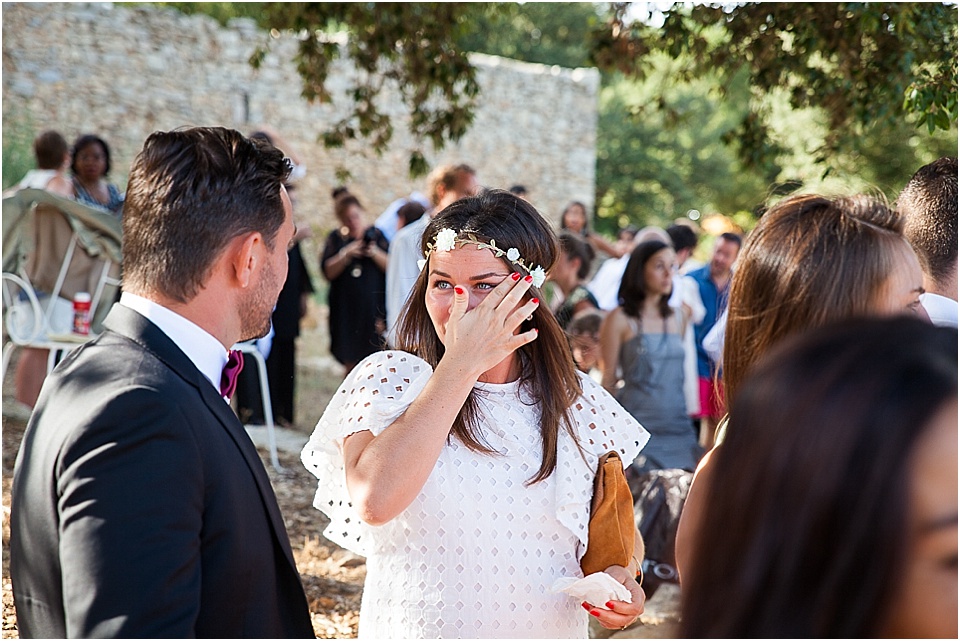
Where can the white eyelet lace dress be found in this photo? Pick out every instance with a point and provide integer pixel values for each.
(476, 553)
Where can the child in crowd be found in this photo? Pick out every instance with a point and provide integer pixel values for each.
(583, 332)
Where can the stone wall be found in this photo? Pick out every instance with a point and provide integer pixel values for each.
(125, 71)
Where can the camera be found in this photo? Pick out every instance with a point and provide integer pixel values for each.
(656, 574)
(370, 236)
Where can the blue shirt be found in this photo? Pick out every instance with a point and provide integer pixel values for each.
(715, 301)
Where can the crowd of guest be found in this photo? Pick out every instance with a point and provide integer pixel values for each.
(697, 349)
(800, 376)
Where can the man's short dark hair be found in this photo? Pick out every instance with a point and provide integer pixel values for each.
(191, 192)
(929, 206)
(682, 237)
(50, 148)
(410, 211)
(262, 135)
(733, 238)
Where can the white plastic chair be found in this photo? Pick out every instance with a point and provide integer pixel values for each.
(27, 322)
(45, 322)
(249, 349)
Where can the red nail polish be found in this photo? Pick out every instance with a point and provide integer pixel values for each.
(515, 276)
(609, 605)
(528, 278)
(459, 290)
(535, 301)
(594, 613)
(585, 606)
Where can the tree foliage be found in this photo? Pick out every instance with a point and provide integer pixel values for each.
(550, 33)
(861, 63)
(661, 151)
(716, 109)
(410, 45)
(18, 132)
(655, 164)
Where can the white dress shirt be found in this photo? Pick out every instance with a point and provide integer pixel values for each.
(605, 285)
(402, 269)
(941, 310)
(203, 350)
(686, 291)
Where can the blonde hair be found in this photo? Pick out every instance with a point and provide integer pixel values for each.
(448, 176)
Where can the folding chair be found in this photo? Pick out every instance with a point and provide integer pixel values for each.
(43, 269)
(249, 349)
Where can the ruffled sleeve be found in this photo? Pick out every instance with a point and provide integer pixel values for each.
(601, 425)
(373, 396)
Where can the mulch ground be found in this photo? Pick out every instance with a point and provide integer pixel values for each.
(332, 577)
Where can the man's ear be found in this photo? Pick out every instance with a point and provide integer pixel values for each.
(246, 257)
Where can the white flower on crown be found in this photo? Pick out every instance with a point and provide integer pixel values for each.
(513, 254)
(446, 240)
(538, 276)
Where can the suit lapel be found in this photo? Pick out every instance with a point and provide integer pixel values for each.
(128, 323)
(235, 429)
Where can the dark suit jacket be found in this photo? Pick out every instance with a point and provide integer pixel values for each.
(140, 506)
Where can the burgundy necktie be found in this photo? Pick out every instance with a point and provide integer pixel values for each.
(228, 380)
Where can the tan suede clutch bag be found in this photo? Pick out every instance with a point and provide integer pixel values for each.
(612, 529)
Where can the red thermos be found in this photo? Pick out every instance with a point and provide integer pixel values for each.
(81, 313)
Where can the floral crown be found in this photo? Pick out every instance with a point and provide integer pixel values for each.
(446, 239)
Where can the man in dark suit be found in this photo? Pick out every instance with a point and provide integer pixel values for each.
(140, 506)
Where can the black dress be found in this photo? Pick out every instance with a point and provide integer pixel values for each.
(357, 300)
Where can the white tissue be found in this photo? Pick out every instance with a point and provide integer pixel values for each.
(596, 589)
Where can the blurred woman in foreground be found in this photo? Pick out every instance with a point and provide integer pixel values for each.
(840, 464)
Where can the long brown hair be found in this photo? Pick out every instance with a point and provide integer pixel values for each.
(809, 260)
(547, 368)
(633, 286)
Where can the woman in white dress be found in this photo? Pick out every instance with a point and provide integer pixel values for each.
(462, 464)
